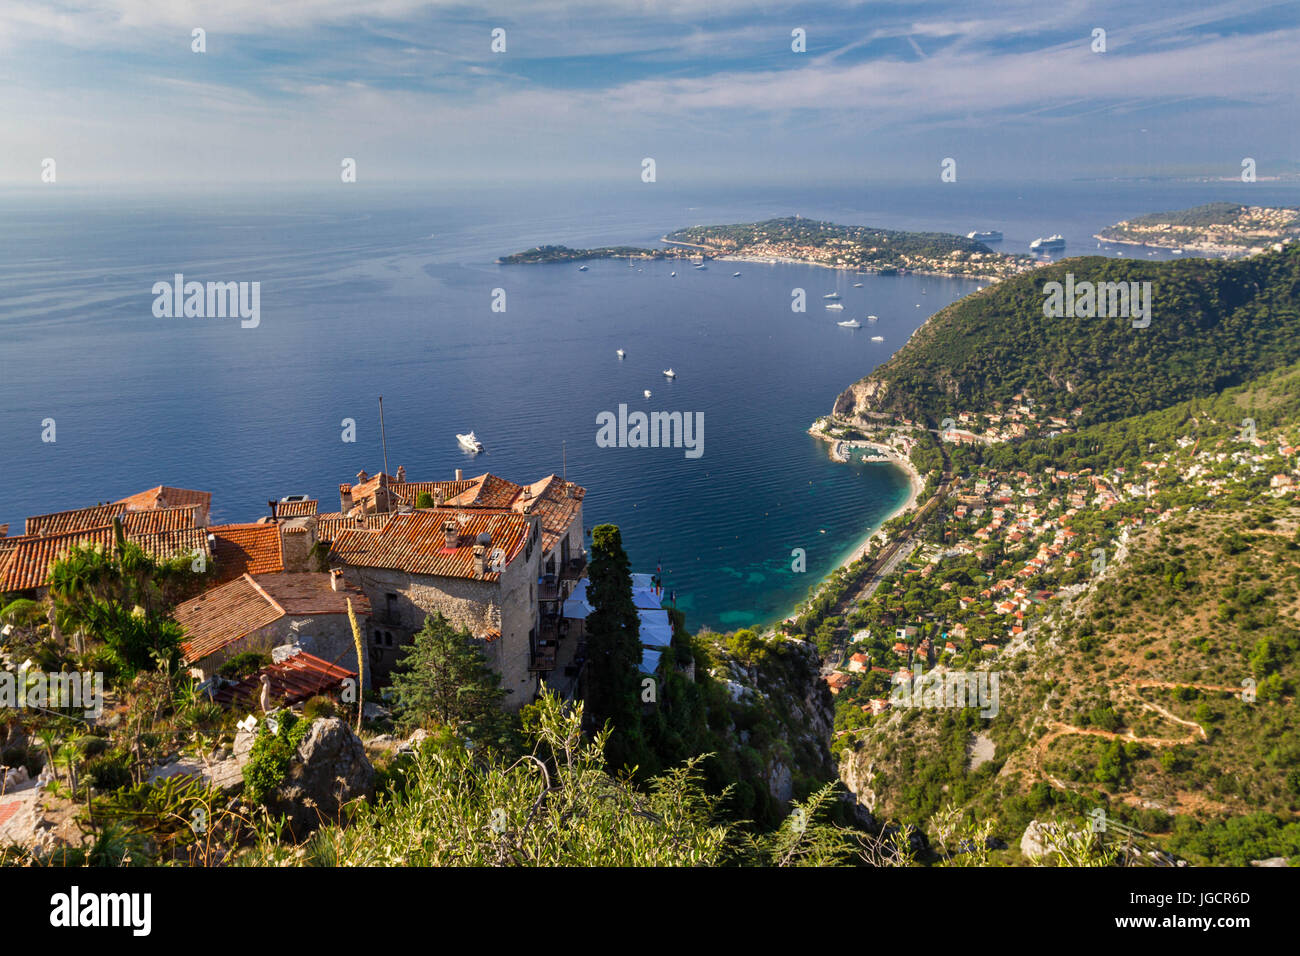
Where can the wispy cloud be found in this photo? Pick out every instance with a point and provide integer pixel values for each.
(412, 89)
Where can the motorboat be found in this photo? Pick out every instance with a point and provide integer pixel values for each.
(850, 324)
(669, 373)
(470, 443)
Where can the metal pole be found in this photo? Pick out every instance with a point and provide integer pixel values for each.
(383, 438)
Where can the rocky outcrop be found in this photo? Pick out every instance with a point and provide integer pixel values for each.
(330, 769)
(862, 397)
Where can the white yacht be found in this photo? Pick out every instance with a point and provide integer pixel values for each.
(877, 338)
(850, 324)
(470, 443)
(647, 393)
(669, 373)
(831, 295)
(872, 318)
(835, 306)
(582, 268)
(672, 274)
(857, 285)
(735, 275)
(621, 353)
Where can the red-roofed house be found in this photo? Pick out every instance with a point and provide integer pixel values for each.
(260, 612)
(479, 568)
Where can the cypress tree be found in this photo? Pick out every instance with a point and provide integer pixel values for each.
(613, 647)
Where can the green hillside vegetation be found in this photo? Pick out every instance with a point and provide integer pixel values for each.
(1214, 325)
(1165, 693)
(1210, 214)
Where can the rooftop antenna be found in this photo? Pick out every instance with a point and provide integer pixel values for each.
(383, 438)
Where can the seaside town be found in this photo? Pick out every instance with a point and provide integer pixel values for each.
(1004, 548)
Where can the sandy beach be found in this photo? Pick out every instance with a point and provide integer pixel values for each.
(887, 456)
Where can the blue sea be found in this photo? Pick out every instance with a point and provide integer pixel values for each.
(369, 291)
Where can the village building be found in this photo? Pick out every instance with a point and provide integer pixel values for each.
(258, 613)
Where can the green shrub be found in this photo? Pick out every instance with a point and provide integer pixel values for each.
(243, 665)
(268, 761)
(319, 707)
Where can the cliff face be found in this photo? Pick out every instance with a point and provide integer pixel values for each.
(861, 398)
(779, 699)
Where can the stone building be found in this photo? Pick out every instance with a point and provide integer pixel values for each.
(265, 611)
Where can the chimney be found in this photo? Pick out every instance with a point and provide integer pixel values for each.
(345, 498)
(362, 477)
(439, 499)
(528, 492)
(271, 505)
(452, 534)
(480, 560)
(459, 474)
(568, 489)
(336, 579)
(401, 473)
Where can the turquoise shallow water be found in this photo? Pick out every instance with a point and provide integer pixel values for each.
(368, 292)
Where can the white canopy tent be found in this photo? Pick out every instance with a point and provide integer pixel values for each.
(650, 661)
(656, 628)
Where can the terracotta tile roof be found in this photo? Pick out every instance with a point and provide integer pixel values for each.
(415, 542)
(160, 519)
(409, 491)
(330, 526)
(165, 545)
(166, 497)
(292, 680)
(224, 614)
(295, 509)
(78, 519)
(552, 504)
(29, 556)
(246, 548)
(308, 593)
(230, 611)
(487, 491)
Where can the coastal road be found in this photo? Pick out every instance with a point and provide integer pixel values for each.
(893, 554)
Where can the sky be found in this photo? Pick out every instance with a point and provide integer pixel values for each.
(712, 90)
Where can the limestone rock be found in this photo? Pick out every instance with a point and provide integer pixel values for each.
(329, 770)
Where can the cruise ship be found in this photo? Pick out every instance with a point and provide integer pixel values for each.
(1050, 244)
(991, 236)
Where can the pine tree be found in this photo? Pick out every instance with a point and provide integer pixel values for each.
(614, 647)
(444, 679)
